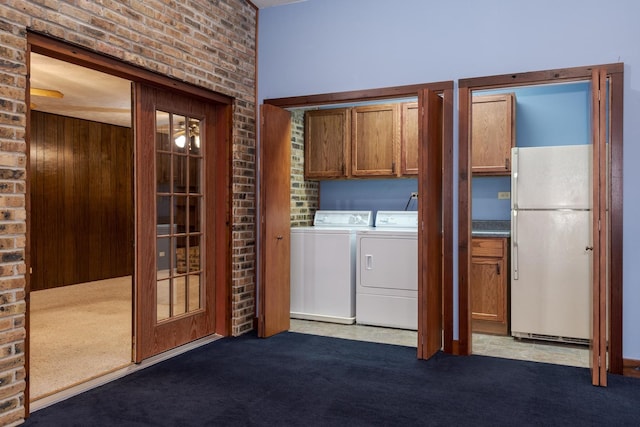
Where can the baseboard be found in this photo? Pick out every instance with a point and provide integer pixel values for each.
(631, 368)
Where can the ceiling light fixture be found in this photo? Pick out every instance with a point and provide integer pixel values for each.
(180, 141)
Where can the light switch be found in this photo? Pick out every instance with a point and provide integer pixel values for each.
(161, 253)
(504, 195)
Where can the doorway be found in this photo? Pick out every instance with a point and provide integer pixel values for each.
(81, 223)
(614, 100)
(160, 307)
(437, 200)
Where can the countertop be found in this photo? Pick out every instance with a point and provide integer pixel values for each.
(484, 228)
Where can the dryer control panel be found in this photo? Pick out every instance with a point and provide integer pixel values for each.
(397, 219)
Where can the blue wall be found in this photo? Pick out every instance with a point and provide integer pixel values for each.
(551, 114)
(485, 203)
(325, 46)
(368, 194)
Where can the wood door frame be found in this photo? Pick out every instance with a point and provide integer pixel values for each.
(466, 86)
(45, 45)
(445, 89)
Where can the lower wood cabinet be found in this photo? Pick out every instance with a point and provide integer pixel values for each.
(489, 285)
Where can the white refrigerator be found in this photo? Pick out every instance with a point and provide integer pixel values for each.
(551, 243)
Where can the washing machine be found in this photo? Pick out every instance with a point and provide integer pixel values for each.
(387, 273)
(323, 266)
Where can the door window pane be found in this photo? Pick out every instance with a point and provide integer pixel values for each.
(194, 174)
(179, 134)
(194, 136)
(179, 303)
(163, 130)
(195, 206)
(180, 173)
(194, 292)
(163, 214)
(163, 172)
(163, 299)
(194, 254)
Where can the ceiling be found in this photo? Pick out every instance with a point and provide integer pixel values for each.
(87, 94)
(90, 94)
(261, 4)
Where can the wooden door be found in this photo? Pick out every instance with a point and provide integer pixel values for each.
(275, 195)
(430, 230)
(598, 349)
(180, 200)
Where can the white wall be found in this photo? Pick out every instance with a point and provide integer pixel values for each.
(323, 46)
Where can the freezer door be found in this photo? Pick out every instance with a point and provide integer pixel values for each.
(551, 177)
(551, 273)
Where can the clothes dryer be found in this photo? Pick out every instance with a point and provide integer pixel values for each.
(323, 266)
(387, 274)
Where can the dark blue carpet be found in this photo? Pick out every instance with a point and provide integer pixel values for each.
(303, 380)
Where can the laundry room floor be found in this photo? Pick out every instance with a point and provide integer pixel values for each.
(483, 344)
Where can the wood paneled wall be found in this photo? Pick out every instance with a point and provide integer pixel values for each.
(81, 201)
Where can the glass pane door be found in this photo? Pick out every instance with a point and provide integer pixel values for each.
(182, 243)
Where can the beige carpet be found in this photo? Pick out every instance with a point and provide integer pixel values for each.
(78, 333)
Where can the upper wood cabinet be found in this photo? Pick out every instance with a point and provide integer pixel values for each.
(409, 139)
(375, 132)
(327, 143)
(492, 133)
(368, 141)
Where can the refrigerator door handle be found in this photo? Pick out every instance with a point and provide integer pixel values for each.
(514, 244)
(514, 178)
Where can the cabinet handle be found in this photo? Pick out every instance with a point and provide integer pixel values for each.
(498, 268)
(506, 163)
(368, 264)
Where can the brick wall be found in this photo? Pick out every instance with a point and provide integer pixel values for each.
(304, 194)
(209, 43)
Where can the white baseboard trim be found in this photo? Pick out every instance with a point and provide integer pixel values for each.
(119, 373)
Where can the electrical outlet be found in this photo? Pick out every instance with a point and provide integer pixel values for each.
(414, 195)
(504, 195)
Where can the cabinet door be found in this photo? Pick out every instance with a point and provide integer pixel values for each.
(487, 293)
(409, 139)
(492, 134)
(327, 141)
(375, 132)
(489, 285)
